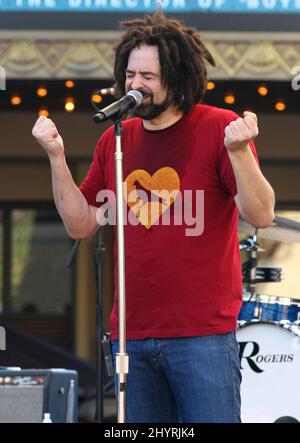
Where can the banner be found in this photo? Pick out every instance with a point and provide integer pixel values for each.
(172, 6)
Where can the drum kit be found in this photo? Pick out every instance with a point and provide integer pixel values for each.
(268, 333)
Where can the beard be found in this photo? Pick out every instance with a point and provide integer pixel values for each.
(150, 111)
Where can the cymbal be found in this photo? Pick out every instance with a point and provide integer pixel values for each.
(282, 229)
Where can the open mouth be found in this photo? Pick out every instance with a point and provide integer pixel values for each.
(145, 94)
(147, 98)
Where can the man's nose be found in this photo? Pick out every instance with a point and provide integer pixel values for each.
(137, 83)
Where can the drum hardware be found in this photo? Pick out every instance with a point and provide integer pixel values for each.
(268, 334)
(282, 229)
(250, 245)
(253, 265)
(263, 274)
(257, 312)
(246, 244)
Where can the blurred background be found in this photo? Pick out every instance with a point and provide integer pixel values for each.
(55, 57)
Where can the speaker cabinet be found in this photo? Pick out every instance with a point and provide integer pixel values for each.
(26, 395)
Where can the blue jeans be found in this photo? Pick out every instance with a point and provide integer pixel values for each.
(183, 380)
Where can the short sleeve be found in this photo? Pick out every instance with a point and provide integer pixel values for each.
(94, 180)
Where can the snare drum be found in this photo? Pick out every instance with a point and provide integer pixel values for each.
(270, 366)
(269, 308)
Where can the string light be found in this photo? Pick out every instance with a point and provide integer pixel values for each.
(229, 99)
(210, 86)
(107, 91)
(262, 90)
(69, 84)
(42, 92)
(97, 98)
(16, 100)
(43, 112)
(69, 104)
(280, 106)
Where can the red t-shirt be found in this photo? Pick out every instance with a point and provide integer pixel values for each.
(177, 285)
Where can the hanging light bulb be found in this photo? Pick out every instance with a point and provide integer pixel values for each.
(69, 84)
(15, 100)
(210, 86)
(262, 90)
(97, 98)
(43, 112)
(42, 91)
(229, 98)
(69, 104)
(280, 106)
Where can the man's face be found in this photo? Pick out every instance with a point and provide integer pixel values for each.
(143, 73)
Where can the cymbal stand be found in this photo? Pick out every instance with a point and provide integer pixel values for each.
(253, 265)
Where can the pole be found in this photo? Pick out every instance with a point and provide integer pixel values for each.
(122, 360)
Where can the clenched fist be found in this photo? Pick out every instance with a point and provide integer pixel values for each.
(48, 137)
(240, 132)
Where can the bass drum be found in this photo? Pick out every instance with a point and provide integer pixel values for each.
(270, 366)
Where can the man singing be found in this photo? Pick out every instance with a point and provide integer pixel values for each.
(183, 292)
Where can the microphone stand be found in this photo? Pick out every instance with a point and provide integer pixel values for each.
(122, 359)
(115, 111)
(99, 251)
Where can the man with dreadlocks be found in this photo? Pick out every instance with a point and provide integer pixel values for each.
(183, 292)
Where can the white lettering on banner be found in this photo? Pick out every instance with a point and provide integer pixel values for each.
(34, 3)
(116, 4)
(74, 3)
(101, 3)
(204, 4)
(132, 3)
(179, 4)
(269, 4)
(254, 6)
(277, 5)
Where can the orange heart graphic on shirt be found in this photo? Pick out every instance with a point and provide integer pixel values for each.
(164, 185)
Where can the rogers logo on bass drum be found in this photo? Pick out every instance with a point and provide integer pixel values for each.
(249, 353)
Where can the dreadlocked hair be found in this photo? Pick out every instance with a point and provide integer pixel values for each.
(182, 57)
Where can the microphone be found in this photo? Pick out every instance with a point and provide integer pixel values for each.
(117, 109)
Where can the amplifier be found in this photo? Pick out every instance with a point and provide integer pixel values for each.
(27, 394)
